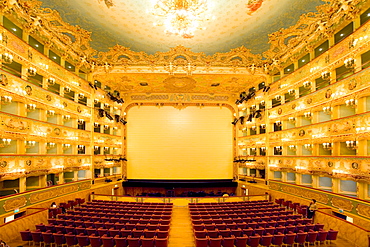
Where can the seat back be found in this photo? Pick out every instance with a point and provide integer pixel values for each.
(241, 241)
(321, 236)
(95, 241)
(108, 241)
(254, 241)
(201, 242)
(332, 235)
(161, 242)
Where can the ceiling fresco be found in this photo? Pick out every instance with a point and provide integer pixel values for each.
(129, 23)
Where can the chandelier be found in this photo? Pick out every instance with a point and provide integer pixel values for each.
(181, 17)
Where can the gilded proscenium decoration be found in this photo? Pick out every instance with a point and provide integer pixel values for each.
(164, 83)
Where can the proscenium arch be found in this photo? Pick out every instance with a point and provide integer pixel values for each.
(180, 106)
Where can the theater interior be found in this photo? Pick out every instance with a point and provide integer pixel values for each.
(184, 123)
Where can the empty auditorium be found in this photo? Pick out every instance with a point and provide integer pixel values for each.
(184, 123)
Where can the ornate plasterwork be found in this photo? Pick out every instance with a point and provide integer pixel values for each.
(73, 42)
(164, 83)
(320, 197)
(363, 210)
(290, 43)
(342, 203)
(45, 195)
(15, 203)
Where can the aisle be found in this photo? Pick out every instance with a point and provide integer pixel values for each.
(181, 233)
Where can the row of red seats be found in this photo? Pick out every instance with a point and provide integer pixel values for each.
(225, 231)
(97, 225)
(127, 207)
(241, 210)
(108, 213)
(237, 214)
(290, 238)
(247, 219)
(69, 239)
(124, 202)
(117, 209)
(225, 206)
(112, 221)
(229, 203)
(131, 204)
(115, 218)
(160, 231)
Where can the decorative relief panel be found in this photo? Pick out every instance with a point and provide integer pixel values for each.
(305, 193)
(42, 196)
(363, 210)
(342, 203)
(12, 204)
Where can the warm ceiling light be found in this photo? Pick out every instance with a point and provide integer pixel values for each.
(181, 17)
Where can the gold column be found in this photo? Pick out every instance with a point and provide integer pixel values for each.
(22, 184)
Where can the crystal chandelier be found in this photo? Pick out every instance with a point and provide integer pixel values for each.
(181, 17)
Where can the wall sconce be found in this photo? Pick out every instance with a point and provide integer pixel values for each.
(106, 127)
(279, 148)
(50, 145)
(278, 123)
(278, 97)
(31, 71)
(3, 80)
(29, 144)
(80, 147)
(30, 107)
(80, 121)
(263, 126)
(7, 58)
(66, 146)
(262, 103)
(81, 95)
(254, 127)
(96, 101)
(351, 102)
(66, 117)
(308, 146)
(327, 109)
(50, 113)
(291, 91)
(51, 81)
(293, 147)
(307, 114)
(291, 119)
(5, 100)
(253, 107)
(351, 145)
(307, 84)
(325, 75)
(327, 145)
(67, 89)
(349, 62)
(5, 142)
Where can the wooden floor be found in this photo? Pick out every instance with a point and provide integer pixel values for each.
(181, 233)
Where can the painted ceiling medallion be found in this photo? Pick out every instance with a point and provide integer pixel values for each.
(179, 84)
(181, 17)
